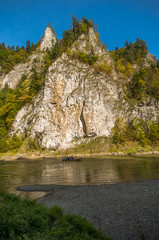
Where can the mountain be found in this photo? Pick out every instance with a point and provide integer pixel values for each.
(86, 91)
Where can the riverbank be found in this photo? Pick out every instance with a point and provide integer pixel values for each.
(124, 211)
(49, 154)
(91, 147)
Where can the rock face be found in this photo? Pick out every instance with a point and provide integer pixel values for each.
(147, 110)
(36, 59)
(91, 43)
(14, 76)
(77, 100)
(49, 40)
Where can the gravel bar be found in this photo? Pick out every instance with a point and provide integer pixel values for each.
(125, 211)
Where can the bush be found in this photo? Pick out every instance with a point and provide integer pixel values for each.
(55, 213)
(87, 58)
(13, 143)
(137, 130)
(104, 68)
(140, 135)
(32, 144)
(119, 131)
(8, 143)
(153, 131)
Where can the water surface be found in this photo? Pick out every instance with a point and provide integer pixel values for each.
(91, 171)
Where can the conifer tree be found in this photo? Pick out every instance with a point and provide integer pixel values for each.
(28, 47)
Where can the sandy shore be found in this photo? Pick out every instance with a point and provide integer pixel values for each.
(125, 211)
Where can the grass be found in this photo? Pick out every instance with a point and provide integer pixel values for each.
(105, 145)
(22, 219)
(87, 146)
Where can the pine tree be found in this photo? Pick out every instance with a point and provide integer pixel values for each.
(28, 47)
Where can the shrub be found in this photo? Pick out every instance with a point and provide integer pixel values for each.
(55, 213)
(140, 135)
(87, 58)
(119, 131)
(153, 131)
(137, 130)
(103, 67)
(32, 144)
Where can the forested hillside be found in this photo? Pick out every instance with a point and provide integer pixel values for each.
(10, 56)
(140, 68)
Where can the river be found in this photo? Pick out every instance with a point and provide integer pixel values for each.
(89, 171)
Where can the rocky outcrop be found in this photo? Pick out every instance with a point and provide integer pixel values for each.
(14, 76)
(36, 60)
(146, 110)
(77, 101)
(48, 40)
(89, 43)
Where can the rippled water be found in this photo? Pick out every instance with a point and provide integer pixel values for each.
(87, 171)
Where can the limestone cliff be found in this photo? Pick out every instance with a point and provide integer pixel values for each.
(74, 103)
(77, 100)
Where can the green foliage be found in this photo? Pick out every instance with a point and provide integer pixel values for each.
(138, 85)
(144, 84)
(32, 144)
(28, 47)
(153, 131)
(137, 130)
(55, 52)
(9, 57)
(22, 219)
(55, 213)
(75, 227)
(139, 134)
(13, 143)
(87, 58)
(27, 220)
(12, 100)
(8, 143)
(78, 27)
(132, 52)
(8, 106)
(104, 67)
(145, 79)
(119, 132)
(36, 81)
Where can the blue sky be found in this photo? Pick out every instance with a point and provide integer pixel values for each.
(118, 20)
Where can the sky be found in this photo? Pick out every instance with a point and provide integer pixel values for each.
(118, 20)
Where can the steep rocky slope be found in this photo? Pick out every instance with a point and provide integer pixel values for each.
(36, 59)
(78, 99)
(74, 103)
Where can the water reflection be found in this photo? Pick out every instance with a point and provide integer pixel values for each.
(88, 171)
